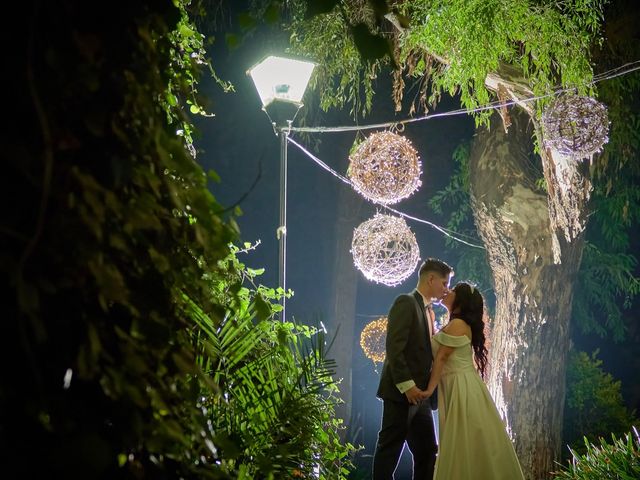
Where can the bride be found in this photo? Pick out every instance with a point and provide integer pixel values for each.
(473, 440)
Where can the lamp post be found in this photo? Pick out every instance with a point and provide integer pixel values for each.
(281, 83)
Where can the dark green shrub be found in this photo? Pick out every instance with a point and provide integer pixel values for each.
(619, 460)
(594, 406)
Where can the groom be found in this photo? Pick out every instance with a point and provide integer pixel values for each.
(405, 374)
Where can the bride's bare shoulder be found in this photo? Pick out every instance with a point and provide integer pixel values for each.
(457, 327)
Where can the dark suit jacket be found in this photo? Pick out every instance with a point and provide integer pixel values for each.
(408, 348)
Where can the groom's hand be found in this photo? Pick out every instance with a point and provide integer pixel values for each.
(426, 394)
(415, 395)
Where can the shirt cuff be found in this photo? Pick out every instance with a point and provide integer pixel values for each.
(404, 386)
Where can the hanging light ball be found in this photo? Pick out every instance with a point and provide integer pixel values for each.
(372, 339)
(385, 168)
(575, 126)
(385, 250)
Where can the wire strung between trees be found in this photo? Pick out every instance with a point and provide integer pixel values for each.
(449, 233)
(608, 75)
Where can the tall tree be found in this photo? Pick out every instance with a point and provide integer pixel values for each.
(483, 50)
(533, 291)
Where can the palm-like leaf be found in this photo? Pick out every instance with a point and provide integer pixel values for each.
(275, 410)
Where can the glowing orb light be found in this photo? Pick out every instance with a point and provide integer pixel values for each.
(575, 126)
(372, 339)
(385, 168)
(385, 250)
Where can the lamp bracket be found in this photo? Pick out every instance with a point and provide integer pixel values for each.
(282, 113)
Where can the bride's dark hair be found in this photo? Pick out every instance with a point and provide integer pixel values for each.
(469, 306)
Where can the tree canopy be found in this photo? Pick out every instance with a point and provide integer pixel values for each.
(449, 46)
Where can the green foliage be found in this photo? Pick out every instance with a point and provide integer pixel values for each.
(594, 407)
(606, 286)
(275, 418)
(188, 57)
(621, 97)
(455, 195)
(617, 460)
(250, 22)
(97, 355)
(451, 45)
(345, 40)
(325, 31)
(112, 248)
(616, 210)
(548, 42)
(608, 282)
(94, 285)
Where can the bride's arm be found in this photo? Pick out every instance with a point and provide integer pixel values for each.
(456, 327)
(438, 365)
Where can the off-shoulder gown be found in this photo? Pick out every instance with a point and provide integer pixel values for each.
(473, 440)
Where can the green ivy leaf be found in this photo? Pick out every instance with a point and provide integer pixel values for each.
(232, 40)
(213, 175)
(263, 308)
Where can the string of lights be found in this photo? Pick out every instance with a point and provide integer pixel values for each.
(449, 233)
(608, 75)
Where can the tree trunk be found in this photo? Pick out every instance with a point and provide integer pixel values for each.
(345, 289)
(534, 244)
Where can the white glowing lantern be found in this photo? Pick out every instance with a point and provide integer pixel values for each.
(278, 78)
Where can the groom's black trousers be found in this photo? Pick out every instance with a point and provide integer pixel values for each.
(403, 422)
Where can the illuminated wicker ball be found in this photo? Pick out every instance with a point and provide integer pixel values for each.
(385, 250)
(372, 339)
(575, 126)
(385, 168)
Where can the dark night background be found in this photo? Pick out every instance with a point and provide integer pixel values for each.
(240, 145)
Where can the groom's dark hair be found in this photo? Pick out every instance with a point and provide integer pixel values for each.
(435, 265)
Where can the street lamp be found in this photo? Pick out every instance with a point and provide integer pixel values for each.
(281, 83)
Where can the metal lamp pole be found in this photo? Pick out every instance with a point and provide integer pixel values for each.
(282, 115)
(281, 232)
(281, 83)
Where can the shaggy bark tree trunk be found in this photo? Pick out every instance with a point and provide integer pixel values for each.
(534, 245)
(345, 289)
(534, 242)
